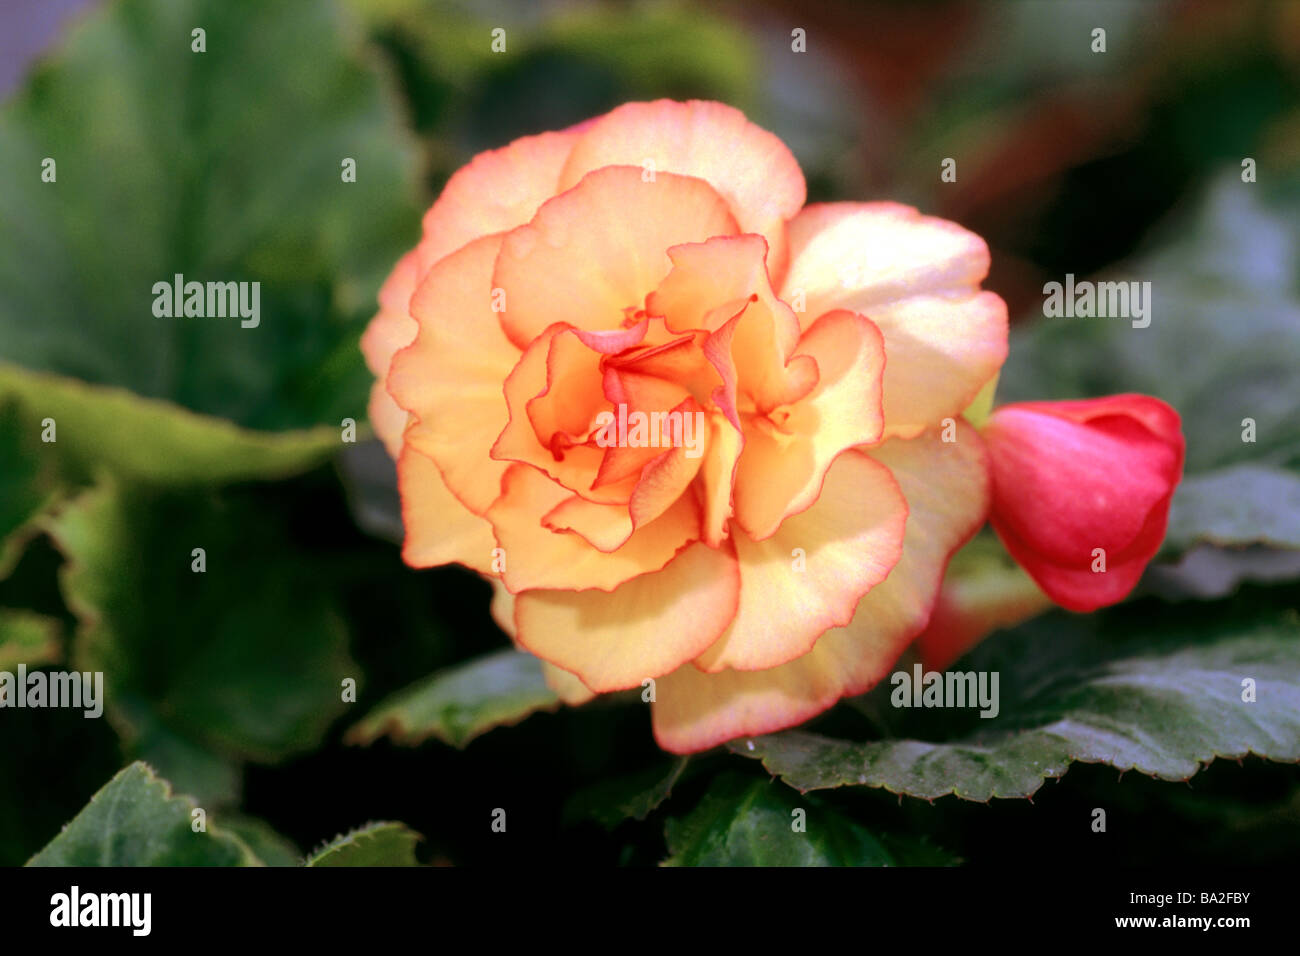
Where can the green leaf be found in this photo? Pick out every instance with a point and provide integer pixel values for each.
(269, 847)
(220, 166)
(1229, 526)
(139, 438)
(28, 483)
(1237, 506)
(375, 844)
(1102, 689)
(244, 660)
(28, 638)
(460, 703)
(136, 821)
(1207, 572)
(214, 777)
(746, 822)
(634, 797)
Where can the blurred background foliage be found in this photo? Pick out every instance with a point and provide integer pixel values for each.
(180, 434)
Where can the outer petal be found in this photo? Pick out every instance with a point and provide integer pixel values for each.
(918, 279)
(496, 191)
(388, 420)
(502, 609)
(1072, 477)
(750, 167)
(647, 627)
(947, 491)
(390, 330)
(570, 689)
(593, 252)
(1081, 588)
(439, 529)
(450, 378)
(846, 544)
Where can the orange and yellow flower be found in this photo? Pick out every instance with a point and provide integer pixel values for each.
(660, 260)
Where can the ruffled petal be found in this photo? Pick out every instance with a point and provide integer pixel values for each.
(751, 168)
(496, 191)
(389, 331)
(722, 286)
(917, 278)
(574, 466)
(718, 478)
(599, 249)
(439, 529)
(947, 490)
(809, 576)
(787, 453)
(538, 557)
(644, 629)
(450, 378)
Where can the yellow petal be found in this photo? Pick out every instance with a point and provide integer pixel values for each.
(439, 529)
(538, 557)
(601, 248)
(809, 576)
(450, 378)
(947, 490)
(644, 629)
(496, 191)
(389, 331)
(917, 278)
(751, 168)
(787, 453)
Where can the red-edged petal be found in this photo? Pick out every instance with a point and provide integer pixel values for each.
(787, 452)
(917, 278)
(593, 252)
(575, 466)
(810, 575)
(722, 287)
(496, 191)
(450, 378)
(537, 556)
(946, 487)
(439, 529)
(391, 330)
(751, 168)
(647, 627)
